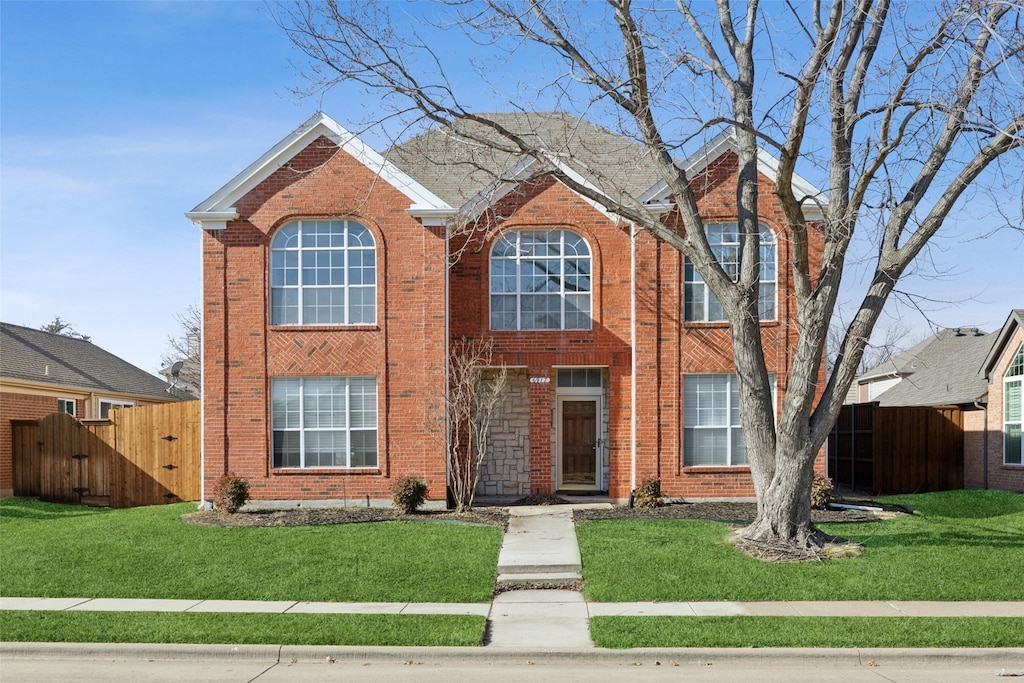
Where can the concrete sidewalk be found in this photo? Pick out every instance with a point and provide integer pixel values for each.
(544, 605)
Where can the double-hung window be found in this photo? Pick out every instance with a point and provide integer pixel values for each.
(106, 405)
(712, 432)
(324, 422)
(1012, 385)
(323, 272)
(540, 280)
(724, 238)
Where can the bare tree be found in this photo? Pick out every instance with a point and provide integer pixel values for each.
(186, 348)
(476, 390)
(902, 109)
(64, 329)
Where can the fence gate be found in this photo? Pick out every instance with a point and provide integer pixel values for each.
(141, 456)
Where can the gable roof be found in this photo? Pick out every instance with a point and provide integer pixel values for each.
(215, 211)
(942, 370)
(814, 200)
(1002, 338)
(460, 170)
(37, 356)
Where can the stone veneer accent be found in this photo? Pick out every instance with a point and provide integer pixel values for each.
(506, 469)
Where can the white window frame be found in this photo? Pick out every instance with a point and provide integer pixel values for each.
(289, 416)
(697, 294)
(575, 301)
(306, 259)
(1013, 382)
(64, 403)
(112, 404)
(735, 451)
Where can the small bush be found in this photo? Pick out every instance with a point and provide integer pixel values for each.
(648, 494)
(821, 492)
(408, 493)
(230, 493)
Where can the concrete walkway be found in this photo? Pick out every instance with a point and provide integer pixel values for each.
(537, 606)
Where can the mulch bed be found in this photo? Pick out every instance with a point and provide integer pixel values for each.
(498, 516)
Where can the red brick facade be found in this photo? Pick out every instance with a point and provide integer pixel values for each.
(637, 339)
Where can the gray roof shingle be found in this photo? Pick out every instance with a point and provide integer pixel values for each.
(942, 370)
(38, 356)
(456, 169)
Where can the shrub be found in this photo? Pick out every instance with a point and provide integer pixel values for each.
(648, 494)
(408, 493)
(230, 493)
(821, 492)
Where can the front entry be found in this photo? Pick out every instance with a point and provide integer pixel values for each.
(578, 443)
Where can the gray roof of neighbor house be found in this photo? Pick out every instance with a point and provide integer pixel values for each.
(942, 370)
(457, 170)
(38, 356)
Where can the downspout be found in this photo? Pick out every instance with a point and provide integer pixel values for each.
(202, 375)
(984, 445)
(447, 352)
(632, 359)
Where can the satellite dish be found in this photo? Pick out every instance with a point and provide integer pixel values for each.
(176, 369)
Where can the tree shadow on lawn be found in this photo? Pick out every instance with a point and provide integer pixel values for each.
(33, 509)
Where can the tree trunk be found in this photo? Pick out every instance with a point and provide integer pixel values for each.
(782, 530)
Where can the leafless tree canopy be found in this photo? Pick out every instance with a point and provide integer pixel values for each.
(186, 346)
(903, 110)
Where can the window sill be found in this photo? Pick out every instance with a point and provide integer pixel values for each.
(715, 469)
(321, 471)
(325, 328)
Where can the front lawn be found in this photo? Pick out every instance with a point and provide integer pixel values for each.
(628, 632)
(68, 551)
(962, 545)
(263, 629)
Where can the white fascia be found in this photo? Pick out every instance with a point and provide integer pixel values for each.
(219, 206)
(813, 199)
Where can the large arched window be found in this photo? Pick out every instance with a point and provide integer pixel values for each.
(540, 280)
(724, 238)
(323, 272)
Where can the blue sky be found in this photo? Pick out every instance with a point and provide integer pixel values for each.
(116, 118)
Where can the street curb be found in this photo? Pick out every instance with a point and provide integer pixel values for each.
(1008, 657)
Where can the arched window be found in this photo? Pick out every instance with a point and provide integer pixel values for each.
(540, 280)
(724, 238)
(1012, 384)
(323, 272)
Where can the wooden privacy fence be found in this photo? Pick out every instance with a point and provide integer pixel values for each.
(141, 456)
(897, 449)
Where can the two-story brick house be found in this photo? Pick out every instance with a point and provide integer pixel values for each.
(334, 279)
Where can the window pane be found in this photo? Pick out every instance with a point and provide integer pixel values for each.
(503, 312)
(1012, 439)
(1013, 401)
(364, 449)
(286, 449)
(326, 449)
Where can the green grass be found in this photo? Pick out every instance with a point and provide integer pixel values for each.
(628, 632)
(261, 629)
(66, 551)
(964, 545)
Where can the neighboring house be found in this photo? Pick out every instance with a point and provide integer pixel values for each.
(940, 371)
(329, 306)
(1002, 464)
(979, 375)
(43, 373)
